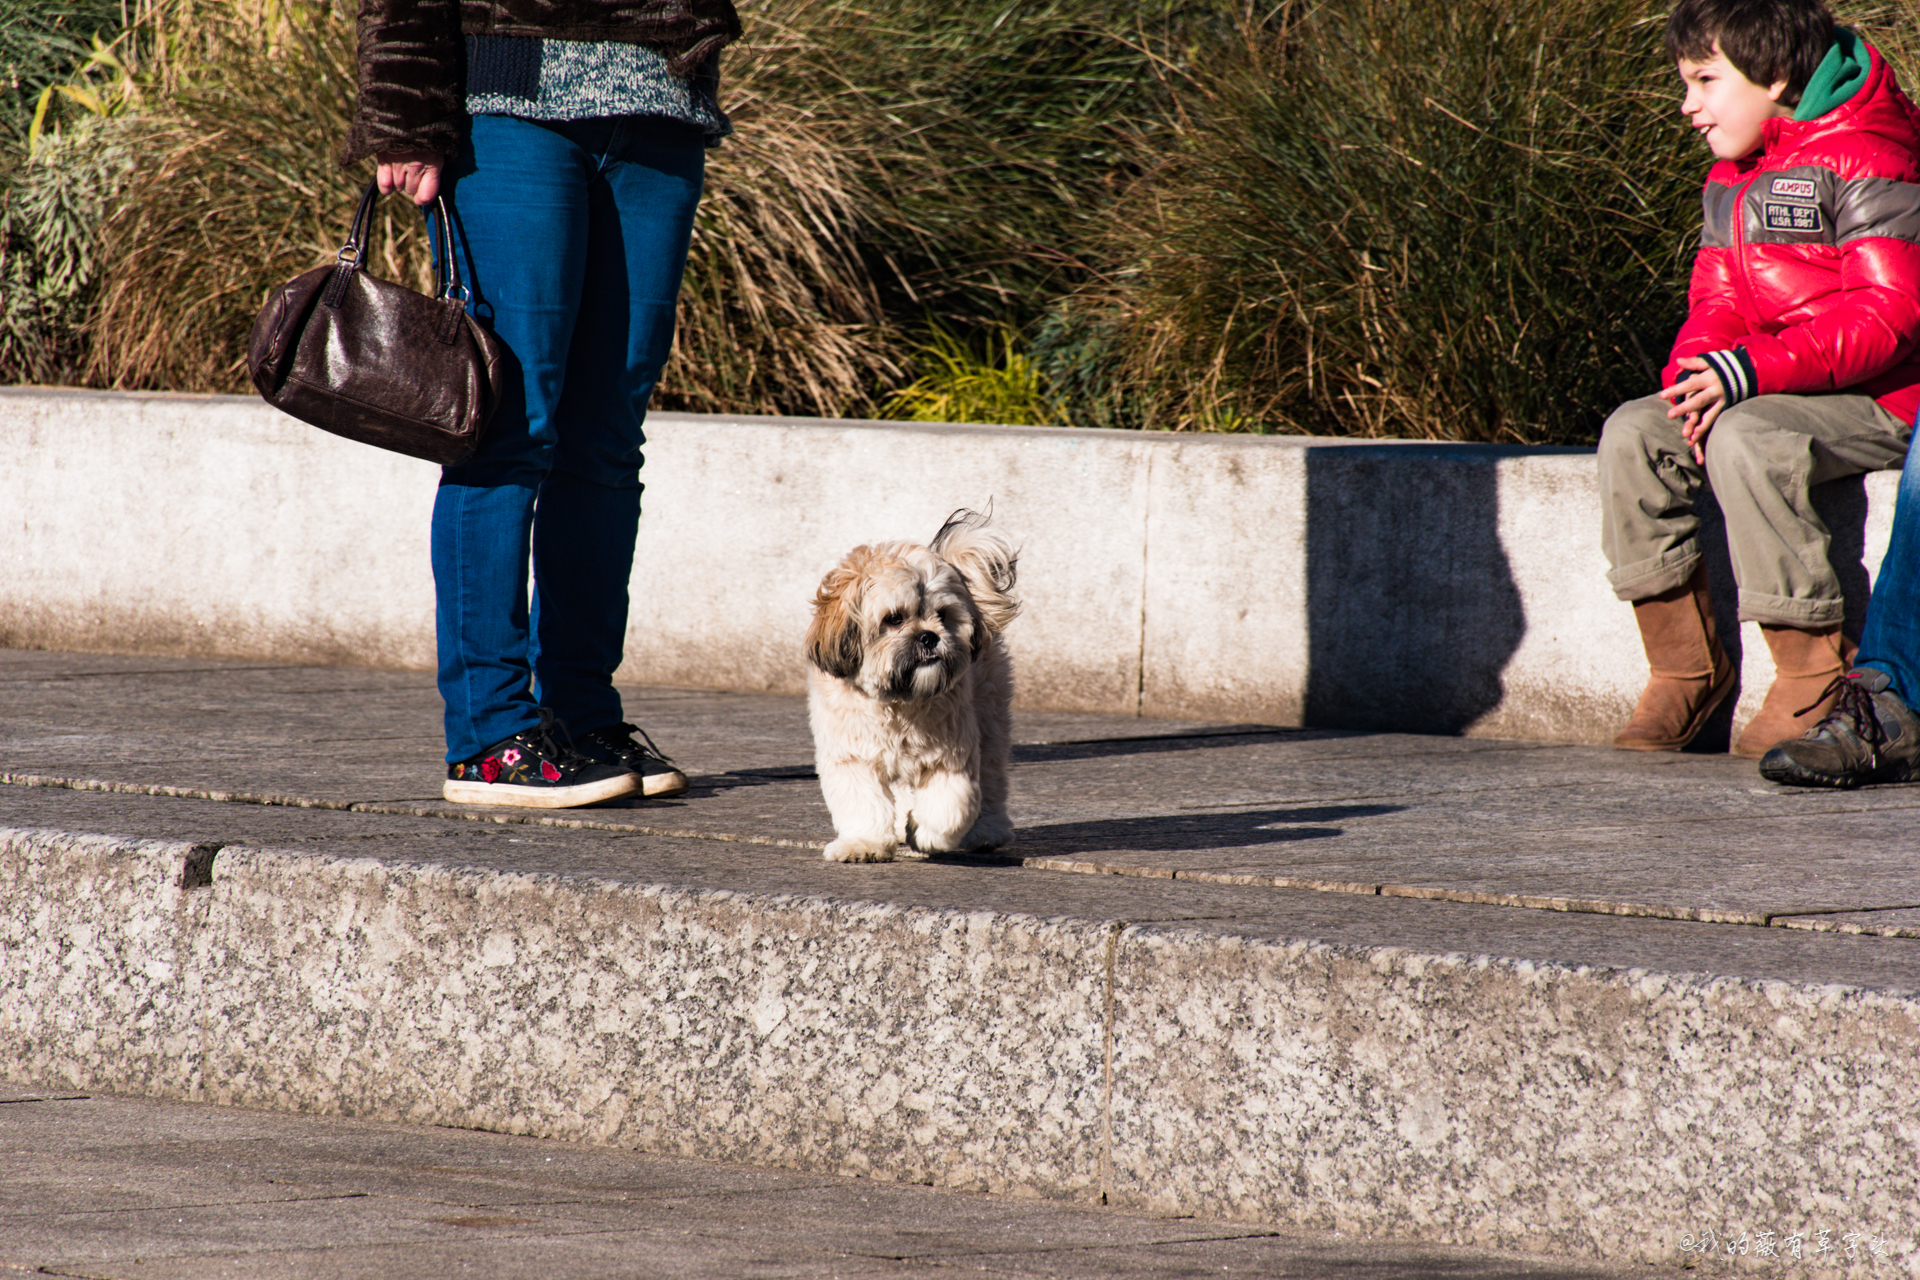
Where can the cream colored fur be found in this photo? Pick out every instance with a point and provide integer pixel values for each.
(908, 693)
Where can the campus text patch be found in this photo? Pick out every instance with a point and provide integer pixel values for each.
(1793, 188)
(1792, 217)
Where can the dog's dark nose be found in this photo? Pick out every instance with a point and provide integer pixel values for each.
(929, 642)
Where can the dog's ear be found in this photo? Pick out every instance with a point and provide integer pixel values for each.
(981, 632)
(833, 637)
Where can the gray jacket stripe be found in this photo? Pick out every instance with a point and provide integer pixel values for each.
(1716, 216)
(1877, 207)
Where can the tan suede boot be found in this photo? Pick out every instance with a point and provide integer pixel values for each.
(1692, 674)
(1804, 664)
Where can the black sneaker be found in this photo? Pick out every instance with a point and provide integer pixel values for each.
(536, 770)
(1870, 736)
(615, 745)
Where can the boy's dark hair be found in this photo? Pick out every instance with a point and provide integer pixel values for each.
(1765, 40)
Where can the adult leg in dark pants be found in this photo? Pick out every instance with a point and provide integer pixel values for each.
(1872, 735)
(574, 236)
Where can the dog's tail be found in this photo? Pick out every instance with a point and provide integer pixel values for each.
(986, 560)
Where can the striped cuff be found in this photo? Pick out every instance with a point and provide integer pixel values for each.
(1735, 370)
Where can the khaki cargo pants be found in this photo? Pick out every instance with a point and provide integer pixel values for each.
(1763, 455)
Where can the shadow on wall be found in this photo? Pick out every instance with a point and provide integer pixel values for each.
(1411, 605)
(1843, 505)
(1413, 612)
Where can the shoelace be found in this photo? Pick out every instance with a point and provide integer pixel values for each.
(634, 729)
(553, 741)
(1854, 704)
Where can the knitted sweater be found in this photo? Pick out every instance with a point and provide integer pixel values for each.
(546, 79)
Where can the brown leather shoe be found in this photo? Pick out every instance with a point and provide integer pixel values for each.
(1692, 674)
(1805, 664)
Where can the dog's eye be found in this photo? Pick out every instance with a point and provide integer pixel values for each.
(893, 619)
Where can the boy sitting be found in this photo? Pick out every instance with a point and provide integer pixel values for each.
(1797, 362)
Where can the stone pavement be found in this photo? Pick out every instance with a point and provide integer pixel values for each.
(1750, 955)
(1578, 855)
(134, 1189)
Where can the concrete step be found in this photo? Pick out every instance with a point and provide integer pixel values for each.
(1520, 996)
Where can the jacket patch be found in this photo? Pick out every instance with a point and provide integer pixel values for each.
(1793, 188)
(1792, 217)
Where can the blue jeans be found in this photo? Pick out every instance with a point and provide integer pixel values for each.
(572, 236)
(1890, 640)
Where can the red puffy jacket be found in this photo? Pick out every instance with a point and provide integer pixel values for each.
(1810, 251)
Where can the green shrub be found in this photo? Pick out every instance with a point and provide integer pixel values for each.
(50, 205)
(41, 42)
(50, 213)
(963, 385)
(995, 134)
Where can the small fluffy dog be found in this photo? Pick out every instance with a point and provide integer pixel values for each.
(908, 692)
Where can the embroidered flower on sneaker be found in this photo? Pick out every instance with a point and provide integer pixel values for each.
(490, 769)
(510, 756)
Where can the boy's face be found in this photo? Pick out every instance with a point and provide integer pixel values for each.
(1725, 106)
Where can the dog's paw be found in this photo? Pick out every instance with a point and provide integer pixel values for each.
(849, 850)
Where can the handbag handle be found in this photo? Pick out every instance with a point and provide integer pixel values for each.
(354, 254)
(446, 264)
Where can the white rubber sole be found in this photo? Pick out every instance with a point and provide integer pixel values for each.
(462, 792)
(670, 783)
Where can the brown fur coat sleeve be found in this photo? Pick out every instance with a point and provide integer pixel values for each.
(411, 69)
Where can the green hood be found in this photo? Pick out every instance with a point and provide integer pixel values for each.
(1837, 78)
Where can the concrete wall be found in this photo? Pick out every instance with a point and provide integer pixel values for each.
(1440, 588)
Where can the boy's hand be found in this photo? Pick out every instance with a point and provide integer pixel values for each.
(1699, 400)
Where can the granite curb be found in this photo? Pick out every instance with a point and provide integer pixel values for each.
(1612, 1114)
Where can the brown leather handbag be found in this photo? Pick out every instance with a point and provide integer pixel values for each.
(376, 362)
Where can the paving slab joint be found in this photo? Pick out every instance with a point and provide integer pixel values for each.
(1110, 962)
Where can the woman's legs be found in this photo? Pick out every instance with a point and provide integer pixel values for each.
(572, 237)
(1890, 640)
(519, 207)
(640, 203)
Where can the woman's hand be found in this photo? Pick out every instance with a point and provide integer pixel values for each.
(415, 172)
(1699, 400)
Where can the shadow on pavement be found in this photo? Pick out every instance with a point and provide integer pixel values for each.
(1189, 832)
(1226, 736)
